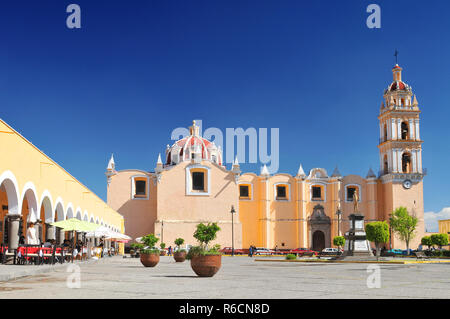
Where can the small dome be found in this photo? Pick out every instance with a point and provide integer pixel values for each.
(398, 85)
(183, 149)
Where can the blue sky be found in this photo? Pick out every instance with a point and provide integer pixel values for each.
(138, 69)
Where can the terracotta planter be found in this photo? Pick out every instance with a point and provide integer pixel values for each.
(149, 260)
(162, 253)
(206, 266)
(179, 256)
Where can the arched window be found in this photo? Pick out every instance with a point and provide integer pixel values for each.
(406, 162)
(405, 131)
(386, 164)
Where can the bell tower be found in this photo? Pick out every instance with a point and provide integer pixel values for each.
(400, 149)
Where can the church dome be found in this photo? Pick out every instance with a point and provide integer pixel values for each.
(192, 146)
(398, 85)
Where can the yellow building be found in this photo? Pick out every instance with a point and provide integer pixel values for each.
(305, 210)
(34, 188)
(444, 226)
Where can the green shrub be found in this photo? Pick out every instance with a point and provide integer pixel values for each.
(149, 241)
(163, 245)
(136, 246)
(179, 242)
(439, 240)
(153, 251)
(201, 251)
(339, 241)
(205, 234)
(291, 256)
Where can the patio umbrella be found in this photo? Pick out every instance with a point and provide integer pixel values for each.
(75, 225)
(101, 231)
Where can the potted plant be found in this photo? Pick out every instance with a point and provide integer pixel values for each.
(149, 254)
(162, 251)
(205, 261)
(179, 254)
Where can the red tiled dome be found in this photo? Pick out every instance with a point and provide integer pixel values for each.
(187, 144)
(398, 85)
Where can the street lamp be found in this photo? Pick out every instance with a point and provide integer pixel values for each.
(390, 232)
(339, 214)
(232, 229)
(162, 231)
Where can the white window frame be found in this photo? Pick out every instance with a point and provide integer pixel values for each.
(288, 193)
(359, 192)
(324, 192)
(133, 187)
(189, 190)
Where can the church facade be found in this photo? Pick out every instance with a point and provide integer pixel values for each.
(190, 184)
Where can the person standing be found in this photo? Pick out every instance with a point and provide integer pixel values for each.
(32, 235)
(250, 251)
(169, 251)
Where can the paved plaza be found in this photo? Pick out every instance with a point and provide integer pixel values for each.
(239, 277)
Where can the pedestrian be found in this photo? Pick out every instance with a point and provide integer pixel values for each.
(32, 235)
(250, 251)
(169, 251)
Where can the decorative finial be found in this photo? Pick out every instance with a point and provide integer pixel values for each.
(396, 57)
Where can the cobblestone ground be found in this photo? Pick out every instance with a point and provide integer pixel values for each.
(239, 277)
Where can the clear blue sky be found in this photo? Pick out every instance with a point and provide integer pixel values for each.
(138, 69)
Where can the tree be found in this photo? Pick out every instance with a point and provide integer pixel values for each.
(150, 240)
(206, 233)
(439, 240)
(378, 233)
(426, 241)
(339, 241)
(404, 225)
(179, 242)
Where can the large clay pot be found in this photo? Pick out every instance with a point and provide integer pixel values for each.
(179, 256)
(149, 260)
(206, 266)
(162, 253)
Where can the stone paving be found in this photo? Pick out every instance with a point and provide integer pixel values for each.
(239, 277)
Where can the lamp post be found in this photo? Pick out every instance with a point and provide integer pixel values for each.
(390, 232)
(162, 231)
(232, 229)
(338, 214)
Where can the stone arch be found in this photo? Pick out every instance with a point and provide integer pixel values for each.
(70, 210)
(319, 221)
(78, 214)
(59, 209)
(30, 201)
(46, 206)
(406, 162)
(404, 127)
(9, 185)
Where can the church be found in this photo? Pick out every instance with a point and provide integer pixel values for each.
(191, 184)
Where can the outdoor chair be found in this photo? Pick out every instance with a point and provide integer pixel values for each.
(8, 255)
